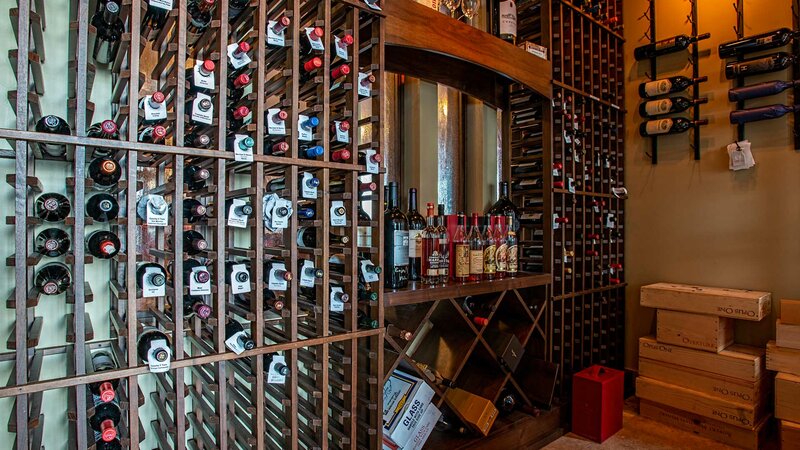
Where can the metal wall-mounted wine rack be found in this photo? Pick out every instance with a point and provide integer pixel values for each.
(211, 397)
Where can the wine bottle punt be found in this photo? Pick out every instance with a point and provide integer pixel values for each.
(105, 420)
(51, 207)
(103, 244)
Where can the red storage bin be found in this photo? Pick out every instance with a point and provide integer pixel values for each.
(597, 398)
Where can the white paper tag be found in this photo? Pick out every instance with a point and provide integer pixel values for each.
(148, 290)
(233, 342)
(206, 117)
(596, 207)
(154, 365)
(307, 191)
(317, 44)
(163, 4)
(276, 39)
(239, 287)
(154, 218)
(372, 167)
(336, 304)
(239, 154)
(281, 222)
(201, 80)
(235, 220)
(571, 185)
(369, 276)
(341, 136)
(364, 91)
(197, 288)
(556, 173)
(275, 283)
(610, 221)
(154, 114)
(274, 376)
(275, 125)
(304, 133)
(307, 278)
(740, 156)
(567, 137)
(338, 220)
(237, 63)
(341, 50)
(556, 225)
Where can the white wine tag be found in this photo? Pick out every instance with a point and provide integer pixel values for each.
(201, 80)
(240, 62)
(148, 290)
(239, 287)
(155, 365)
(234, 219)
(610, 221)
(307, 278)
(337, 219)
(275, 283)
(556, 225)
(571, 185)
(341, 135)
(336, 304)
(316, 44)
(155, 218)
(273, 38)
(233, 342)
(206, 117)
(307, 191)
(197, 288)
(275, 126)
(304, 133)
(341, 50)
(364, 90)
(369, 276)
(372, 167)
(241, 154)
(280, 221)
(154, 114)
(163, 4)
(274, 376)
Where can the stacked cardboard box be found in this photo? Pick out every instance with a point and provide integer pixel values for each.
(783, 356)
(408, 414)
(693, 376)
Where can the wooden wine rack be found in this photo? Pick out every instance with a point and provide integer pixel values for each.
(211, 397)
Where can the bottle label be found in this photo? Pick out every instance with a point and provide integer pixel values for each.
(372, 166)
(658, 107)
(234, 343)
(163, 4)
(276, 283)
(444, 258)
(508, 18)
(655, 127)
(239, 61)
(151, 113)
(304, 133)
(665, 44)
(476, 262)
(338, 214)
(433, 264)
(400, 243)
(501, 256)
(341, 50)
(234, 219)
(275, 126)
(512, 259)
(148, 289)
(364, 90)
(199, 116)
(196, 287)
(658, 87)
(155, 365)
(316, 44)
(274, 376)
(342, 136)
(462, 260)
(765, 40)
(489, 263)
(273, 38)
(307, 278)
(415, 243)
(239, 287)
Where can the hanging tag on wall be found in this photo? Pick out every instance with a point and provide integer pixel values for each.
(739, 156)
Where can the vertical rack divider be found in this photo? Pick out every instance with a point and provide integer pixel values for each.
(653, 76)
(695, 75)
(739, 7)
(291, 182)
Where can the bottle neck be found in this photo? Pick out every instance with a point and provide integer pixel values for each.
(504, 189)
(392, 201)
(412, 200)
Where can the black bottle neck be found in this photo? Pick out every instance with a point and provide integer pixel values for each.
(412, 200)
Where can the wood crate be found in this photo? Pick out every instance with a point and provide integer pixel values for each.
(733, 303)
(741, 362)
(699, 331)
(787, 335)
(782, 359)
(787, 397)
(790, 435)
(749, 438)
(790, 312)
(715, 385)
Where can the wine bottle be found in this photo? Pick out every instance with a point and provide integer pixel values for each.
(276, 148)
(340, 155)
(758, 65)
(366, 294)
(512, 248)
(504, 206)
(236, 118)
(399, 333)
(193, 210)
(200, 276)
(103, 244)
(235, 8)
(476, 247)
(314, 272)
(364, 230)
(759, 42)
(236, 57)
(105, 420)
(105, 172)
(501, 252)
(672, 105)
(675, 125)
(153, 135)
(430, 249)
(309, 124)
(338, 186)
(194, 242)
(461, 251)
(109, 29)
(505, 23)
(199, 15)
(766, 89)
(395, 243)
(762, 113)
(666, 86)
(279, 184)
(113, 444)
(203, 108)
(201, 77)
(239, 276)
(102, 207)
(281, 274)
(375, 158)
(444, 245)
(667, 46)
(51, 207)
(53, 279)
(193, 305)
(310, 39)
(507, 402)
(236, 87)
(52, 242)
(343, 126)
(151, 204)
(154, 102)
(156, 14)
(310, 68)
(105, 390)
(342, 70)
(307, 237)
(367, 82)
(233, 327)
(489, 251)
(195, 177)
(53, 125)
(153, 346)
(156, 276)
(344, 42)
(244, 210)
(106, 129)
(195, 139)
(416, 224)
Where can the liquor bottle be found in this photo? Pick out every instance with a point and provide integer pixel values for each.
(103, 244)
(310, 39)
(102, 207)
(240, 276)
(672, 105)
(153, 345)
(760, 90)
(444, 245)
(105, 172)
(195, 177)
(490, 251)
(235, 8)
(307, 237)
(236, 87)
(399, 333)
(109, 29)
(201, 77)
(53, 279)
(311, 151)
(461, 250)
(236, 117)
(342, 70)
(310, 68)
(153, 135)
(194, 242)
(276, 148)
(504, 206)
(236, 58)
(51, 207)
(501, 253)
(244, 210)
(758, 65)
(233, 327)
(150, 274)
(763, 113)
(193, 305)
(395, 242)
(193, 210)
(340, 155)
(156, 14)
(52, 242)
(105, 390)
(476, 248)
(53, 125)
(666, 86)
(505, 20)
(199, 15)
(416, 224)
(667, 46)
(512, 249)
(151, 204)
(757, 43)
(105, 420)
(675, 125)
(195, 139)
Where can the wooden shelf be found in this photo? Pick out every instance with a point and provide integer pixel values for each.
(420, 293)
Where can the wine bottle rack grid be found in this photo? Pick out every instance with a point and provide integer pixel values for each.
(211, 397)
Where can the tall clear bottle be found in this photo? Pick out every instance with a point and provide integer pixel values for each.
(476, 247)
(395, 242)
(512, 249)
(444, 246)
(416, 223)
(461, 250)
(490, 251)
(501, 254)
(430, 250)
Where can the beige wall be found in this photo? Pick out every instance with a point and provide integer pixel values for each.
(695, 221)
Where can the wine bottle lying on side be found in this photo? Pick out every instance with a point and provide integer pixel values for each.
(762, 113)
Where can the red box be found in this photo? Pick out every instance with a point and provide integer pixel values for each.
(597, 398)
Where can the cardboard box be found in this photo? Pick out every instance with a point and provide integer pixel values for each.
(790, 312)
(749, 438)
(476, 412)
(790, 435)
(715, 385)
(735, 413)
(741, 362)
(700, 331)
(424, 428)
(534, 49)
(782, 359)
(787, 397)
(733, 303)
(405, 398)
(787, 335)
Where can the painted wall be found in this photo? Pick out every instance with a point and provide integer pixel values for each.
(695, 221)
